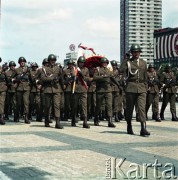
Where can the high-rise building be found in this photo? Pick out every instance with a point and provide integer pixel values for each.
(139, 19)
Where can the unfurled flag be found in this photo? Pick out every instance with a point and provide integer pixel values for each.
(86, 48)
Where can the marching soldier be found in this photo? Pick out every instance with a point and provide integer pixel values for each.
(3, 89)
(10, 96)
(153, 93)
(136, 88)
(168, 82)
(79, 90)
(52, 81)
(103, 91)
(22, 81)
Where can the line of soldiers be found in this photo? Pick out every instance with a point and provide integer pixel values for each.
(91, 92)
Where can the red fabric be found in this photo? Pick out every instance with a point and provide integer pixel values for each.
(93, 61)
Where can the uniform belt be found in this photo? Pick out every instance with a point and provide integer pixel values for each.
(136, 80)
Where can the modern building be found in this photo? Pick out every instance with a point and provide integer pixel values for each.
(139, 19)
(166, 47)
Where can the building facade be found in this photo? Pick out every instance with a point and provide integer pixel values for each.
(139, 19)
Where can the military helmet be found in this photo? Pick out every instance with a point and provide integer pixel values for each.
(45, 61)
(52, 57)
(135, 48)
(114, 63)
(34, 64)
(168, 66)
(104, 60)
(22, 59)
(70, 62)
(81, 59)
(12, 63)
(150, 66)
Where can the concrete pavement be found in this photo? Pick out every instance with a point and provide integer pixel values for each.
(38, 153)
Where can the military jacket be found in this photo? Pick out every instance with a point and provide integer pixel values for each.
(33, 87)
(102, 77)
(11, 85)
(136, 75)
(116, 75)
(168, 81)
(22, 78)
(153, 82)
(52, 78)
(3, 86)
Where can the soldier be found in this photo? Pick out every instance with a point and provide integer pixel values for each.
(52, 81)
(103, 91)
(116, 91)
(22, 81)
(3, 89)
(136, 89)
(153, 93)
(81, 76)
(168, 82)
(10, 96)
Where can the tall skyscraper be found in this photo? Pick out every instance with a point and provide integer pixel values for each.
(139, 19)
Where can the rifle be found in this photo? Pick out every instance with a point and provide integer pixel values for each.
(75, 79)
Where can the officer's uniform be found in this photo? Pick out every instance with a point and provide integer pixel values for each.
(136, 88)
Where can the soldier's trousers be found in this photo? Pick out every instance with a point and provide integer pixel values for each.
(115, 101)
(82, 98)
(152, 98)
(91, 102)
(9, 102)
(169, 97)
(100, 97)
(56, 99)
(22, 97)
(131, 100)
(2, 102)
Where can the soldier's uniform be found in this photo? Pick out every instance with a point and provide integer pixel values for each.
(52, 79)
(21, 75)
(80, 93)
(103, 91)
(153, 93)
(136, 88)
(168, 81)
(10, 96)
(3, 89)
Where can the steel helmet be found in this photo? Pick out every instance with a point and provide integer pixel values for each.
(22, 59)
(45, 61)
(34, 64)
(104, 60)
(12, 63)
(135, 48)
(70, 62)
(114, 63)
(150, 66)
(81, 59)
(52, 57)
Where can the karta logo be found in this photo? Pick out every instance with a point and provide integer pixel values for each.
(117, 169)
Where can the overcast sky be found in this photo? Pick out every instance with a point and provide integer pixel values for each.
(36, 28)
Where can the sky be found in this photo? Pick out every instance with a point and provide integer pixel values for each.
(36, 28)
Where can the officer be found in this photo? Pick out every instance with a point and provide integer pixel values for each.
(22, 81)
(79, 91)
(153, 93)
(10, 96)
(136, 88)
(52, 81)
(103, 91)
(3, 89)
(168, 82)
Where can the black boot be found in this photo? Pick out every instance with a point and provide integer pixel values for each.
(174, 117)
(16, 117)
(110, 123)
(120, 115)
(73, 122)
(6, 117)
(96, 121)
(58, 124)
(27, 121)
(162, 113)
(129, 128)
(116, 117)
(101, 118)
(85, 124)
(50, 119)
(137, 117)
(156, 117)
(144, 131)
(47, 121)
(2, 122)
